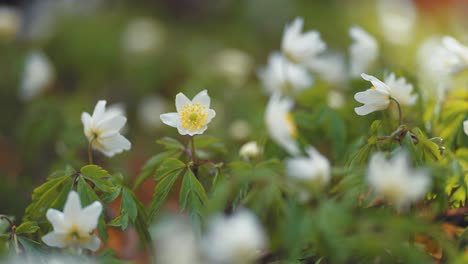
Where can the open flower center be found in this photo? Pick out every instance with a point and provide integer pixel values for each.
(292, 129)
(193, 116)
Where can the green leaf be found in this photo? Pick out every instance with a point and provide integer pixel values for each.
(88, 196)
(27, 228)
(98, 176)
(209, 143)
(31, 247)
(128, 204)
(168, 167)
(150, 166)
(161, 192)
(170, 143)
(191, 189)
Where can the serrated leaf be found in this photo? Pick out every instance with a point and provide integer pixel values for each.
(88, 196)
(98, 176)
(128, 204)
(209, 143)
(27, 228)
(161, 192)
(151, 165)
(169, 166)
(191, 189)
(170, 143)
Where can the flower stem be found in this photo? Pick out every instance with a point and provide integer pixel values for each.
(193, 157)
(90, 151)
(400, 114)
(13, 232)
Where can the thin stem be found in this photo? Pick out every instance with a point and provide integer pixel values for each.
(90, 151)
(193, 158)
(4, 217)
(13, 232)
(400, 115)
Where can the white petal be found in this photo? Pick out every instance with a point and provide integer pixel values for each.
(211, 115)
(114, 144)
(378, 84)
(111, 125)
(99, 110)
(54, 239)
(89, 216)
(87, 121)
(56, 218)
(93, 244)
(465, 127)
(72, 208)
(373, 97)
(170, 119)
(202, 98)
(365, 109)
(180, 101)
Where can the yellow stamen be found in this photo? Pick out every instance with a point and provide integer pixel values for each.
(193, 116)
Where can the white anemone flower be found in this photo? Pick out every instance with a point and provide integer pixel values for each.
(315, 168)
(74, 226)
(284, 77)
(459, 51)
(363, 51)
(465, 127)
(192, 117)
(395, 180)
(238, 238)
(400, 89)
(280, 123)
(38, 74)
(301, 47)
(103, 129)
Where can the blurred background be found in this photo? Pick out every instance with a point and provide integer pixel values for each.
(59, 57)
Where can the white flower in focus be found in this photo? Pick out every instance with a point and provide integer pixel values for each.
(175, 243)
(314, 168)
(238, 238)
(192, 117)
(363, 52)
(280, 123)
(400, 89)
(374, 99)
(284, 77)
(10, 22)
(38, 74)
(103, 129)
(397, 19)
(459, 51)
(300, 47)
(143, 36)
(250, 150)
(465, 127)
(74, 226)
(395, 180)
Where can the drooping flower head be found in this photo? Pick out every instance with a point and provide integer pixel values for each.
(73, 228)
(300, 47)
(284, 77)
(314, 168)
(238, 238)
(280, 123)
(103, 129)
(363, 52)
(192, 116)
(395, 180)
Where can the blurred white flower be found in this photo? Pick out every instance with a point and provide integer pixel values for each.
(143, 36)
(336, 99)
(314, 169)
(10, 22)
(149, 110)
(74, 226)
(235, 65)
(284, 77)
(38, 74)
(239, 130)
(397, 19)
(300, 47)
(400, 89)
(465, 127)
(395, 180)
(331, 67)
(378, 96)
(175, 243)
(363, 51)
(374, 99)
(459, 51)
(280, 123)
(250, 150)
(103, 129)
(238, 238)
(192, 117)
